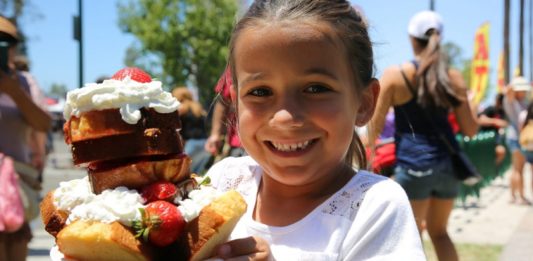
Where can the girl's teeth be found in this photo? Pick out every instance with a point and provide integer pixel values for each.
(291, 147)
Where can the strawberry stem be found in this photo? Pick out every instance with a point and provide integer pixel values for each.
(206, 181)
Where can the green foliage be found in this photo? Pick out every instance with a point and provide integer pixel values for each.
(58, 90)
(466, 71)
(453, 52)
(468, 252)
(180, 41)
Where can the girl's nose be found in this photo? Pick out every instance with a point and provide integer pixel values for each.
(287, 117)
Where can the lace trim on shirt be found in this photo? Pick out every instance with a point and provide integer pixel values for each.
(346, 202)
(239, 179)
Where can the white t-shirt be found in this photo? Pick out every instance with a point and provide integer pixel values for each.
(368, 219)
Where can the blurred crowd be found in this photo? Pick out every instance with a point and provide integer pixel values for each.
(209, 134)
(23, 144)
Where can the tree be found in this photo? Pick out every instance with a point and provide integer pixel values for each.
(16, 9)
(466, 71)
(454, 54)
(58, 90)
(182, 41)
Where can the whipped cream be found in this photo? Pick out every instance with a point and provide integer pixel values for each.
(119, 204)
(197, 199)
(126, 95)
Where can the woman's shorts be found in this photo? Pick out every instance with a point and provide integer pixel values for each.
(438, 181)
(513, 145)
(529, 155)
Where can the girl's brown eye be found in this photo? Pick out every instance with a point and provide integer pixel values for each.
(317, 88)
(260, 92)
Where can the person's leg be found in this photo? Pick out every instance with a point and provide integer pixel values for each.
(517, 178)
(3, 246)
(420, 210)
(417, 185)
(17, 243)
(18, 250)
(500, 154)
(436, 223)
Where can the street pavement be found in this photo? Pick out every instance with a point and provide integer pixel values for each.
(489, 219)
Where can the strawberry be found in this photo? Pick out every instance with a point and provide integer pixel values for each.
(161, 224)
(161, 190)
(134, 73)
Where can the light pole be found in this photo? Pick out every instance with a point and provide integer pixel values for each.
(432, 5)
(530, 40)
(521, 40)
(506, 47)
(78, 35)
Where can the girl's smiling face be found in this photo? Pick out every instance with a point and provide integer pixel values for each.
(297, 100)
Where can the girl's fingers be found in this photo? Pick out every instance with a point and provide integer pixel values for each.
(250, 248)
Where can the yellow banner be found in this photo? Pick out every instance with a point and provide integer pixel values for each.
(501, 73)
(480, 64)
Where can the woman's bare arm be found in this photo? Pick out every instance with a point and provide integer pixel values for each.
(32, 113)
(465, 117)
(385, 101)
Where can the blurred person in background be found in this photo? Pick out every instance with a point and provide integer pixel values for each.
(224, 115)
(493, 119)
(41, 142)
(423, 162)
(193, 129)
(20, 115)
(515, 102)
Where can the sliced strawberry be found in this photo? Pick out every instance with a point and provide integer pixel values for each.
(161, 224)
(134, 73)
(161, 190)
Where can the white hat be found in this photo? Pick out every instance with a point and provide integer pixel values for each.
(520, 84)
(422, 22)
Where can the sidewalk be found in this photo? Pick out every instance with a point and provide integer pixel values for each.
(491, 219)
(520, 245)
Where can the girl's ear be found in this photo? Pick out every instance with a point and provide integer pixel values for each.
(368, 99)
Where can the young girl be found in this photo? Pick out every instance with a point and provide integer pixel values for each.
(302, 73)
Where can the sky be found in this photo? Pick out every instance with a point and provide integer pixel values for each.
(53, 52)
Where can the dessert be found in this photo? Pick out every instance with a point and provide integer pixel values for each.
(139, 200)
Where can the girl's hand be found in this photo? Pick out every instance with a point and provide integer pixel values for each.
(250, 248)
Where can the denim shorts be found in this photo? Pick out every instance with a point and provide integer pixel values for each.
(438, 181)
(529, 156)
(512, 145)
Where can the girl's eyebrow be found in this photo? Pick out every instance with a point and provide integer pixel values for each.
(252, 77)
(322, 71)
(314, 70)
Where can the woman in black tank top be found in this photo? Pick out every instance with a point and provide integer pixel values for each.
(425, 86)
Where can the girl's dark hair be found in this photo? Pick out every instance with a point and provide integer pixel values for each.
(434, 87)
(348, 26)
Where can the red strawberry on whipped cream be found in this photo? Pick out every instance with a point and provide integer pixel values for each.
(134, 73)
(162, 223)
